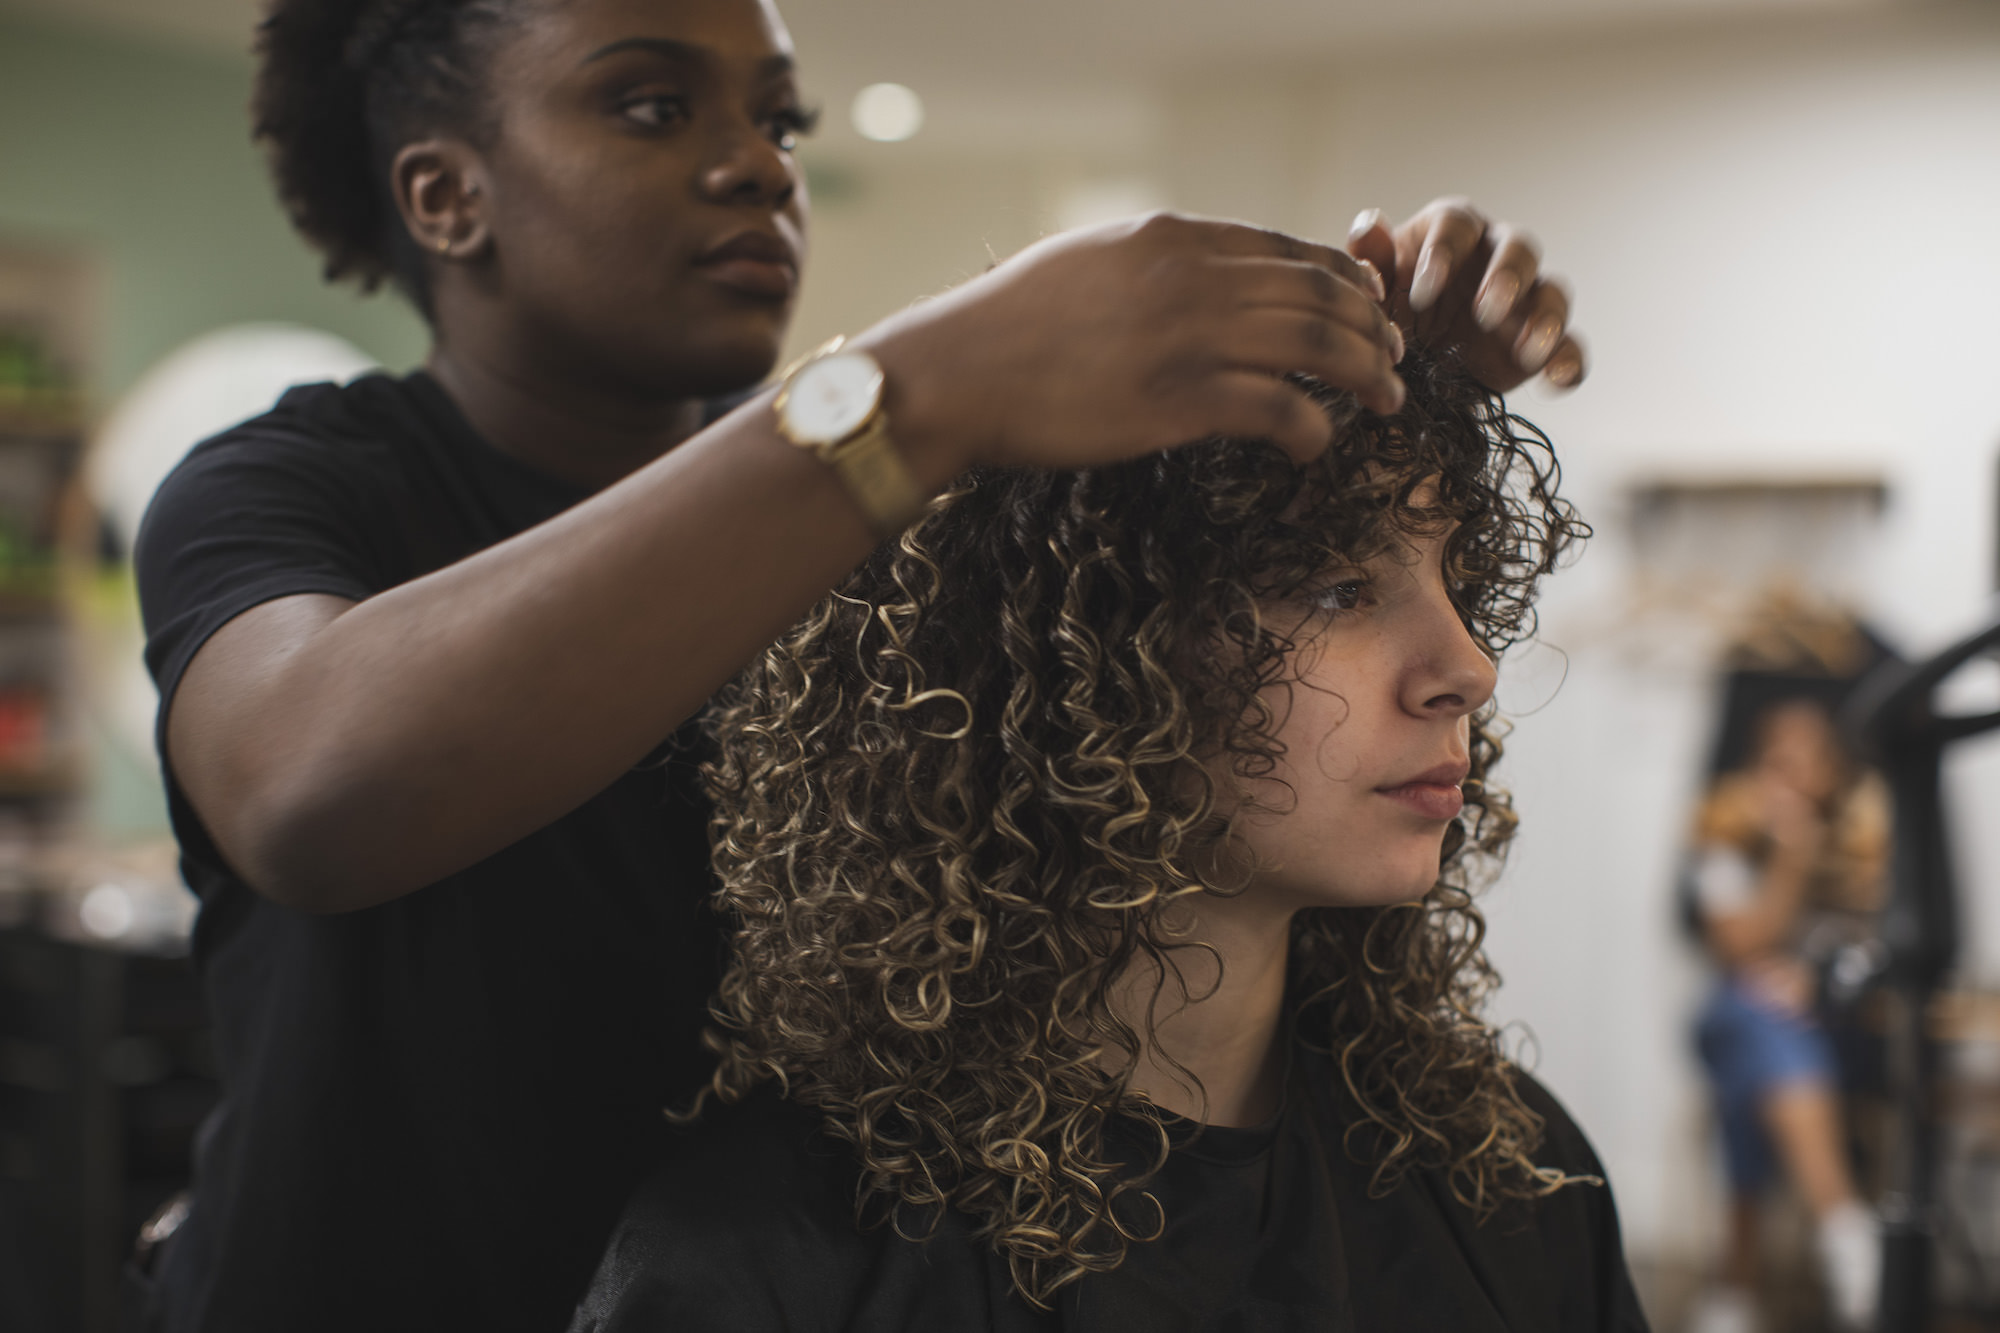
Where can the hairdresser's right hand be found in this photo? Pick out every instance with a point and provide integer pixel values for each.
(1114, 341)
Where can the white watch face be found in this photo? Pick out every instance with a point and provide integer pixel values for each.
(831, 397)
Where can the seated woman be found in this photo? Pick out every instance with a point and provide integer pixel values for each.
(1790, 855)
(1102, 853)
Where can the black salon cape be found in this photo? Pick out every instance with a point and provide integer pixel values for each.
(432, 1109)
(750, 1229)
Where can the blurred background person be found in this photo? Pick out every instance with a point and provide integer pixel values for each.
(1789, 852)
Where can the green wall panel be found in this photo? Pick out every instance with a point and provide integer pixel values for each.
(141, 157)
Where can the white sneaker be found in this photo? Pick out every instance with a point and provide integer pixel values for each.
(1724, 1310)
(1850, 1259)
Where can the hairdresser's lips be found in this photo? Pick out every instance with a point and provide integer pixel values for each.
(1433, 794)
(756, 263)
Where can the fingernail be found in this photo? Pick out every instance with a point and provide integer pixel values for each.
(1564, 373)
(1497, 301)
(1541, 345)
(1429, 280)
(1365, 220)
(1375, 280)
(1396, 347)
(1400, 392)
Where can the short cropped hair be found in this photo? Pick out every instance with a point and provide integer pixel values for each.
(342, 86)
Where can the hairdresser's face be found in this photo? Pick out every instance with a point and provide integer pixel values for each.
(648, 215)
(1376, 730)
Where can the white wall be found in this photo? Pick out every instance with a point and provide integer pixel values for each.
(1786, 241)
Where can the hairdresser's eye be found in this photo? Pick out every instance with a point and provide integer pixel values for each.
(655, 110)
(1346, 595)
(792, 124)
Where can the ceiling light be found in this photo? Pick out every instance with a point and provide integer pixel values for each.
(887, 112)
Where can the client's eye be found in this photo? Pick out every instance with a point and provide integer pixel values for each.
(1346, 595)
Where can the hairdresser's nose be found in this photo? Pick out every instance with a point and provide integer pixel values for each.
(746, 167)
(1449, 674)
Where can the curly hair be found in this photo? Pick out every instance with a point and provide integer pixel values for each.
(342, 86)
(953, 803)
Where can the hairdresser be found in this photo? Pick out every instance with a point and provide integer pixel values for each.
(424, 643)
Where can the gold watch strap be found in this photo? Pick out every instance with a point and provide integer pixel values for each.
(876, 476)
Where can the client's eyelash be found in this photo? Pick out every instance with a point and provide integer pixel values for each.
(1343, 595)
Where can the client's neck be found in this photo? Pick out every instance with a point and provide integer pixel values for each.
(1219, 1020)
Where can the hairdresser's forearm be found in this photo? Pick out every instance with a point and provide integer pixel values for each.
(430, 726)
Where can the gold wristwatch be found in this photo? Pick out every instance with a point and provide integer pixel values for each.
(831, 403)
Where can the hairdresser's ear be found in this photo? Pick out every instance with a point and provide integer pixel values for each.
(441, 192)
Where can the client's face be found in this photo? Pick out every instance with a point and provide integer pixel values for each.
(1376, 731)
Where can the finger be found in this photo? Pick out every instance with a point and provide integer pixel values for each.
(1278, 342)
(1450, 231)
(1266, 284)
(1546, 315)
(1239, 239)
(1568, 367)
(1510, 274)
(1248, 405)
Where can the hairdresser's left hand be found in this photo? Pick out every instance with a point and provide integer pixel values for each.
(1456, 279)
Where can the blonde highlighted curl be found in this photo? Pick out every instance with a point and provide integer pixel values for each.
(954, 801)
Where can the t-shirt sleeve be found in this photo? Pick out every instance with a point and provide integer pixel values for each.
(263, 511)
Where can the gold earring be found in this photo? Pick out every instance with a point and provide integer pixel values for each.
(444, 245)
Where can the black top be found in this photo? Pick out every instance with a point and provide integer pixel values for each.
(750, 1227)
(432, 1109)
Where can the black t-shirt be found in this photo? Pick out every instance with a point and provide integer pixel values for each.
(749, 1227)
(432, 1109)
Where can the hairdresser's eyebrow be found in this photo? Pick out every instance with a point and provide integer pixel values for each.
(685, 52)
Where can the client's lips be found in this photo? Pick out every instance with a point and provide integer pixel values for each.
(1432, 794)
(760, 263)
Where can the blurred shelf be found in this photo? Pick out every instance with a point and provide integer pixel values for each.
(57, 780)
(28, 423)
(29, 607)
